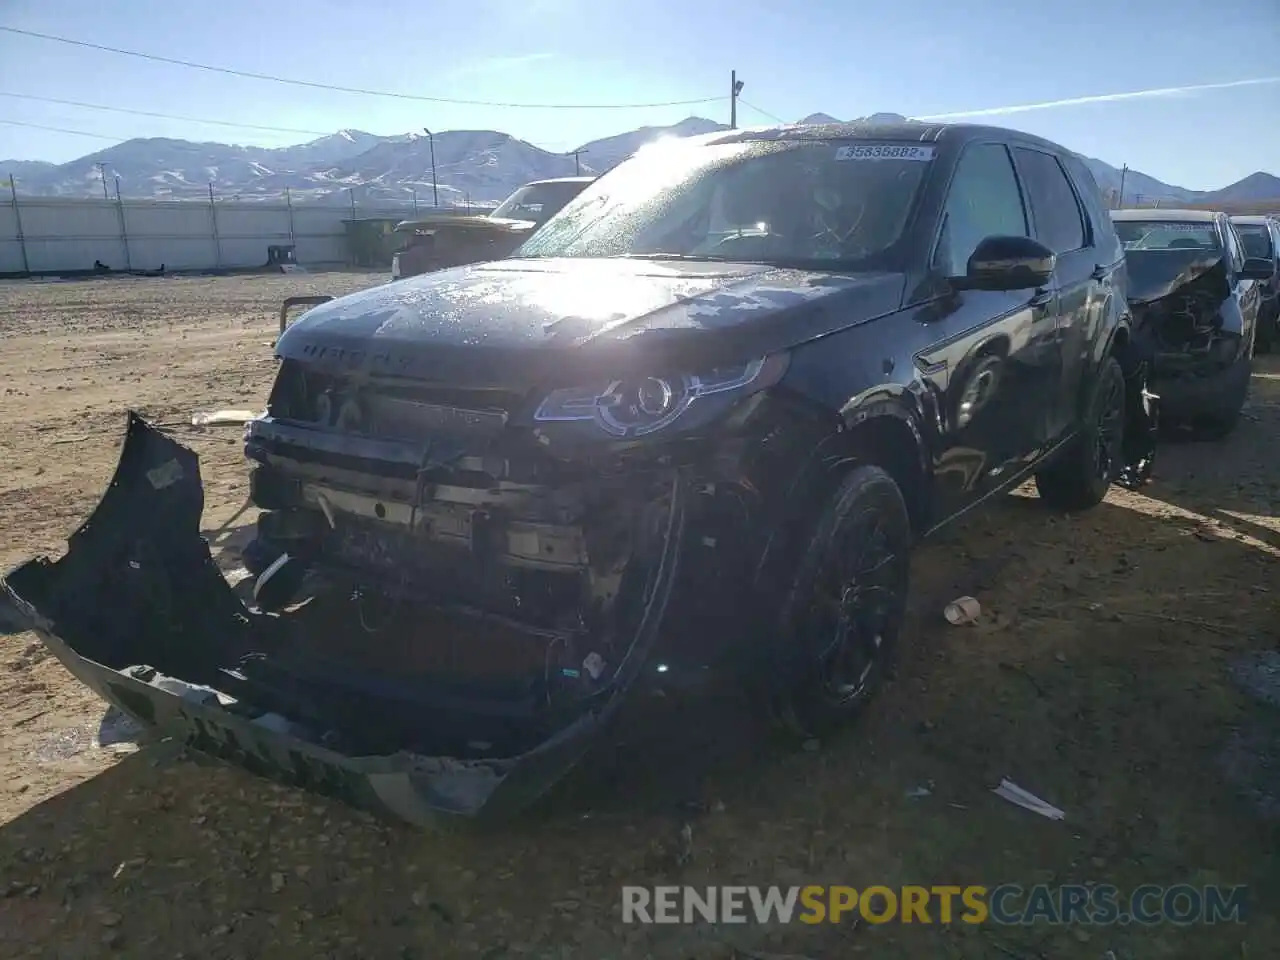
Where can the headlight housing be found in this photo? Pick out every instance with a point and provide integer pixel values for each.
(635, 407)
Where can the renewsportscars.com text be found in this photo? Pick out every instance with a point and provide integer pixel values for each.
(1008, 904)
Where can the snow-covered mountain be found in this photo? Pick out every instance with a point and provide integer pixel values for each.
(24, 168)
(479, 166)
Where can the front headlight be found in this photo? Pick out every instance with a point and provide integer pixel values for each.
(639, 406)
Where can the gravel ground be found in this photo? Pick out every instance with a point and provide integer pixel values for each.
(1119, 670)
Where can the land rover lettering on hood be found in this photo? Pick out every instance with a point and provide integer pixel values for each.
(694, 423)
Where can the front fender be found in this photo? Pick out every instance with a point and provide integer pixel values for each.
(1238, 314)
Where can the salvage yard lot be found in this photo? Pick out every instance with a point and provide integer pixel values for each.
(1097, 678)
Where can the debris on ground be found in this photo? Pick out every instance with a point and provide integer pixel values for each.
(962, 610)
(1010, 791)
(215, 417)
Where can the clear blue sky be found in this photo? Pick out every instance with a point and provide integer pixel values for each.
(843, 57)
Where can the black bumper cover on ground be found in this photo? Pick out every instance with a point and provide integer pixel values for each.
(137, 604)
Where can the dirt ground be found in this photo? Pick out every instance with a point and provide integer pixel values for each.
(1098, 678)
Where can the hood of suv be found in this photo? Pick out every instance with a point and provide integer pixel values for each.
(539, 318)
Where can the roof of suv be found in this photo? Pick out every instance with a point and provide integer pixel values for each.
(1161, 214)
(901, 130)
(1256, 220)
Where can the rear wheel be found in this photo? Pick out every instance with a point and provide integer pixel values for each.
(1080, 476)
(845, 608)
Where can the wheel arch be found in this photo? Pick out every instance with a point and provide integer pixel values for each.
(885, 432)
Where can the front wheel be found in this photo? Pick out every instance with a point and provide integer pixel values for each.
(845, 608)
(1219, 423)
(1080, 475)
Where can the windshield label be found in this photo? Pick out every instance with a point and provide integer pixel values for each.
(1154, 225)
(884, 151)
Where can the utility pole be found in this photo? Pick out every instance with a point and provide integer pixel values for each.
(577, 164)
(435, 189)
(17, 221)
(124, 228)
(1123, 173)
(102, 173)
(213, 223)
(735, 88)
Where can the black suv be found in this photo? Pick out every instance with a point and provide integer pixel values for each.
(698, 420)
(1260, 238)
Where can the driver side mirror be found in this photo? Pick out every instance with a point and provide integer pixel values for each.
(1257, 268)
(1007, 263)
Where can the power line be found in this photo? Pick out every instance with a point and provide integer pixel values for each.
(763, 113)
(164, 116)
(77, 133)
(356, 90)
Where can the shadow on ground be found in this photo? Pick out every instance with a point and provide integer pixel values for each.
(1241, 489)
(1097, 678)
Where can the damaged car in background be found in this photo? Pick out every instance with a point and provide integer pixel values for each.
(444, 239)
(1260, 238)
(1195, 297)
(698, 421)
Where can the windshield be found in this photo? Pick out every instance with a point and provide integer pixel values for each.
(538, 201)
(804, 203)
(1169, 235)
(1256, 240)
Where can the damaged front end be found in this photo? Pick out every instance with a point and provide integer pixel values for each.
(457, 661)
(1182, 309)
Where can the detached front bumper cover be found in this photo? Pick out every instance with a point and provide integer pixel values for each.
(137, 603)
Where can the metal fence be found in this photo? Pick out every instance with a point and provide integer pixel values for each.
(49, 234)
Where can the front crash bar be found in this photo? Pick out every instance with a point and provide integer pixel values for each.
(306, 301)
(138, 611)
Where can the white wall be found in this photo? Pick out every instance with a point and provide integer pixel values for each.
(65, 234)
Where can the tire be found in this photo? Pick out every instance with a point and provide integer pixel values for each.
(1220, 424)
(1079, 477)
(1267, 331)
(845, 643)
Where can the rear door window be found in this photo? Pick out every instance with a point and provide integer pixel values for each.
(1054, 206)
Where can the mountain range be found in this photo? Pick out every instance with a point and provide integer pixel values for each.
(472, 167)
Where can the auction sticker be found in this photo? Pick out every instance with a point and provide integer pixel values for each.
(884, 151)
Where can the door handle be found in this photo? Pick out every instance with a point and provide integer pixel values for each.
(1099, 273)
(1041, 298)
